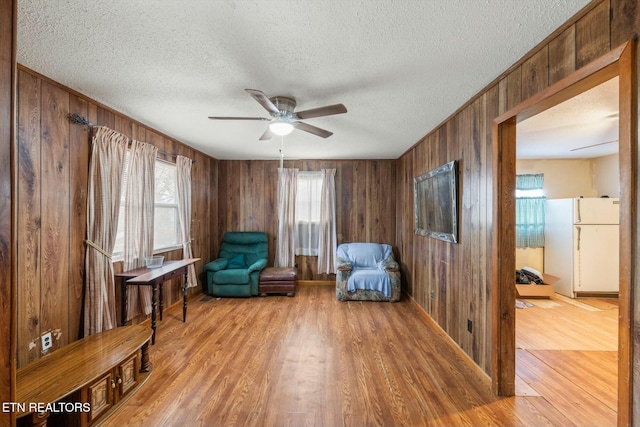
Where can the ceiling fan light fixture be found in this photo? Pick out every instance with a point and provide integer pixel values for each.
(281, 127)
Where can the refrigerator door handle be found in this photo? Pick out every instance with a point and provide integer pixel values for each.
(578, 216)
(579, 230)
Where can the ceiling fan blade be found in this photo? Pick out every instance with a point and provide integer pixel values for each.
(237, 118)
(266, 135)
(595, 145)
(312, 129)
(329, 110)
(263, 100)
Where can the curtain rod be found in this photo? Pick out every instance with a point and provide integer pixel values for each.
(79, 120)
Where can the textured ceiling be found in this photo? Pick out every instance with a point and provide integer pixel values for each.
(400, 67)
(585, 126)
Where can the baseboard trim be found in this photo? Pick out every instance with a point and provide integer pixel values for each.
(464, 356)
(316, 282)
(612, 295)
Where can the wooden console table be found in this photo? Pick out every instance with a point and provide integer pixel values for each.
(85, 381)
(155, 277)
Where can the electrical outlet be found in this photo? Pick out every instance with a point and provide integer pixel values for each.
(469, 325)
(46, 341)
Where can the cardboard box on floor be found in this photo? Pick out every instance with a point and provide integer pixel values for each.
(538, 291)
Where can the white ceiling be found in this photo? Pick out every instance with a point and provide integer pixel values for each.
(585, 126)
(400, 67)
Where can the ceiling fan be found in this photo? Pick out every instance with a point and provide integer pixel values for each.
(283, 117)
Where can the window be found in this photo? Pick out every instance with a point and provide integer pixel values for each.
(530, 201)
(165, 234)
(308, 195)
(165, 216)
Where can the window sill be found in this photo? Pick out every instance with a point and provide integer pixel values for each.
(160, 251)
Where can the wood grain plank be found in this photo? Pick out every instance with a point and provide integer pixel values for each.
(29, 219)
(625, 21)
(123, 125)
(492, 109)
(514, 91)
(55, 213)
(462, 289)
(629, 346)
(78, 184)
(475, 296)
(565, 394)
(360, 201)
(105, 117)
(8, 177)
(562, 57)
(592, 34)
(535, 73)
(503, 238)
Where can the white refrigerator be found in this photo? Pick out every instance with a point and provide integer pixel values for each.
(582, 245)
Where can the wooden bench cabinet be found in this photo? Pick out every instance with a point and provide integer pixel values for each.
(109, 389)
(85, 381)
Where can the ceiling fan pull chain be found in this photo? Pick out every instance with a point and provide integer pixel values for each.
(281, 152)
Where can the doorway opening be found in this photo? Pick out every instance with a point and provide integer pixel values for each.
(619, 62)
(566, 332)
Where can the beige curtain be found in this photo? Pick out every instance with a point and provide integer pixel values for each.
(327, 239)
(183, 169)
(138, 220)
(103, 203)
(285, 251)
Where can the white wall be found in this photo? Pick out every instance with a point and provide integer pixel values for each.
(562, 178)
(576, 177)
(606, 175)
(530, 257)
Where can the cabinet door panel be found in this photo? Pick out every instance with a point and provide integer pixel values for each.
(100, 396)
(128, 375)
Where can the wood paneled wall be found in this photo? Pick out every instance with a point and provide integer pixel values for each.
(52, 177)
(365, 192)
(7, 193)
(451, 282)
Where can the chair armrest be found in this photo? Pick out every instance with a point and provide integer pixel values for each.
(258, 265)
(216, 265)
(343, 264)
(390, 264)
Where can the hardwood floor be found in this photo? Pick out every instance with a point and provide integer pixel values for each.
(311, 360)
(567, 352)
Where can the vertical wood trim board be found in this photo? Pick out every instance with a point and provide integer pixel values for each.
(8, 14)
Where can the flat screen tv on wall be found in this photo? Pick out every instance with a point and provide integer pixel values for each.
(436, 203)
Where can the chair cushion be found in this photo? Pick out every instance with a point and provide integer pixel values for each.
(237, 261)
(370, 278)
(364, 255)
(253, 244)
(231, 277)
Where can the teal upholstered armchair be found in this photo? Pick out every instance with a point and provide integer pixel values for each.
(236, 272)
